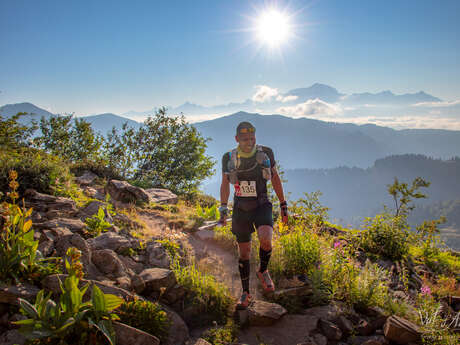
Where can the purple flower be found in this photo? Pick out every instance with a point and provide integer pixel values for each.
(337, 244)
(425, 290)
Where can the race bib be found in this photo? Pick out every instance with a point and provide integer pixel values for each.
(246, 189)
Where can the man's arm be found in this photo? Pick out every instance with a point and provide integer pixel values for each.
(277, 185)
(224, 194)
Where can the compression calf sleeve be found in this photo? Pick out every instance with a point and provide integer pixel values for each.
(264, 259)
(244, 268)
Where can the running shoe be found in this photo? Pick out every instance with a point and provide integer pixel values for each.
(266, 281)
(244, 301)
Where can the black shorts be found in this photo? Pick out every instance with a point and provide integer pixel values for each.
(244, 223)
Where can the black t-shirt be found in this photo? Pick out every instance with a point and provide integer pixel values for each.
(253, 174)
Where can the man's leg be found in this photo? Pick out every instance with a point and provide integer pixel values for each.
(265, 251)
(244, 266)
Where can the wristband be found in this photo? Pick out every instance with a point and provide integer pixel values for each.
(284, 203)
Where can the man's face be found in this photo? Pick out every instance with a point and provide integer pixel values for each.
(246, 141)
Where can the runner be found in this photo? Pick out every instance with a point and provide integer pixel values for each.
(249, 167)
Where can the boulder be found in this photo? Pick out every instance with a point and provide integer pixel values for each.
(401, 331)
(74, 225)
(161, 196)
(124, 282)
(157, 255)
(263, 313)
(319, 339)
(94, 193)
(294, 291)
(345, 325)
(326, 312)
(86, 179)
(44, 202)
(361, 340)
(137, 284)
(201, 341)
(127, 335)
(364, 328)
(179, 332)
(157, 278)
(12, 337)
(174, 294)
(110, 240)
(108, 262)
(129, 263)
(75, 240)
(330, 330)
(10, 293)
(46, 247)
(125, 192)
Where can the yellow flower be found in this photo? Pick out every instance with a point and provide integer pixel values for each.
(13, 185)
(13, 175)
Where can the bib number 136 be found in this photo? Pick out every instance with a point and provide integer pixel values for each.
(246, 189)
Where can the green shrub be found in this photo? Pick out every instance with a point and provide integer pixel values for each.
(146, 316)
(70, 320)
(97, 223)
(38, 170)
(385, 235)
(295, 253)
(208, 213)
(221, 335)
(19, 257)
(96, 166)
(212, 298)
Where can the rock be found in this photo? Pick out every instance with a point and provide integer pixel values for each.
(10, 293)
(201, 341)
(75, 240)
(124, 283)
(295, 291)
(161, 196)
(110, 240)
(401, 331)
(330, 330)
(107, 261)
(204, 235)
(91, 209)
(94, 193)
(125, 192)
(174, 294)
(360, 340)
(137, 284)
(157, 278)
(344, 324)
(129, 263)
(51, 283)
(327, 312)
(364, 328)
(127, 335)
(263, 313)
(74, 225)
(179, 333)
(157, 255)
(12, 337)
(319, 339)
(44, 202)
(46, 247)
(86, 179)
(59, 232)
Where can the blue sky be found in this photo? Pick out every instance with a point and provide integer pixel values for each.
(91, 57)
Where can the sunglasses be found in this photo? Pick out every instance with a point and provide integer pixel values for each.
(247, 130)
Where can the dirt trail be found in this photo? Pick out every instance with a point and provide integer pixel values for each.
(211, 257)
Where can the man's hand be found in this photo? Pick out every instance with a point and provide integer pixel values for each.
(223, 210)
(284, 212)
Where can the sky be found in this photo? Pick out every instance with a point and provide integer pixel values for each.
(90, 57)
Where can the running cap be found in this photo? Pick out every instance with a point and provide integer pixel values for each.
(245, 127)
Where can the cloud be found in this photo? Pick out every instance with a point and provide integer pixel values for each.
(264, 93)
(437, 104)
(286, 99)
(311, 107)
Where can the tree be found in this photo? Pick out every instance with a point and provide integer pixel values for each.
(403, 194)
(171, 154)
(13, 134)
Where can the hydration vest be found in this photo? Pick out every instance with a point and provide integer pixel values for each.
(262, 160)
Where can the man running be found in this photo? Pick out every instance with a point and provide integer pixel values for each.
(249, 167)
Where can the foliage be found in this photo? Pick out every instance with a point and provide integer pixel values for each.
(72, 139)
(71, 318)
(171, 154)
(222, 335)
(430, 240)
(201, 199)
(38, 170)
(295, 253)
(19, 255)
(146, 316)
(171, 247)
(208, 213)
(211, 297)
(14, 135)
(308, 211)
(403, 194)
(386, 236)
(97, 223)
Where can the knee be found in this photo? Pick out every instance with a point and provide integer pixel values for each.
(266, 244)
(245, 253)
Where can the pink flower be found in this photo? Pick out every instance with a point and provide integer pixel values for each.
(425, 290)
(337, 244)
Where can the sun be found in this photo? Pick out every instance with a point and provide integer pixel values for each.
(273, 28)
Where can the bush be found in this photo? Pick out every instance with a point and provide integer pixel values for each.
(38, 170)
(222, 335)
(386, 236)
(146, 316)
(97, 223)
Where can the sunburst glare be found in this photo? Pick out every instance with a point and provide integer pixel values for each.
(273, 27)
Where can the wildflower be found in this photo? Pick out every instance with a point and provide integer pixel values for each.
(13, 175)
(425, 290)
(337, 244)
